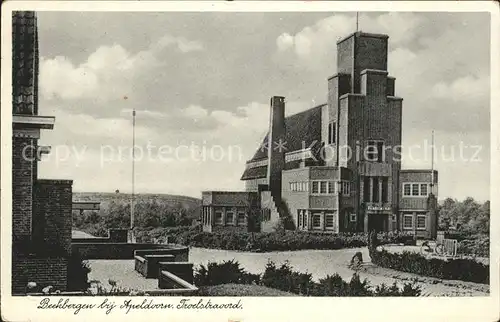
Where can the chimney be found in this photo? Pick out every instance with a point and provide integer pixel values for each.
(276, 148)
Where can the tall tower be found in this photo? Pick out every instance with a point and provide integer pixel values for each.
(366, 117)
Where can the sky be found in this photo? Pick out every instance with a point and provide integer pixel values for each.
(201, 84)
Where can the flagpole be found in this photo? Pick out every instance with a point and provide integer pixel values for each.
(357, 21)
(432, 163)
(133, 178)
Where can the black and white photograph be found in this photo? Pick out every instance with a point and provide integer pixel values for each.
(262, 153)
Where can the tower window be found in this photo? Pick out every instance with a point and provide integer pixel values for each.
(374, 151)
(332, 131)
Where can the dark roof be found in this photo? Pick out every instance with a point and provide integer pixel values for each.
(254, 173)
(302, 129)
(24, 63)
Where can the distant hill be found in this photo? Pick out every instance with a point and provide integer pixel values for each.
(105, 198)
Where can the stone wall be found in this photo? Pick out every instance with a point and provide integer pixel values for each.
(123, 250)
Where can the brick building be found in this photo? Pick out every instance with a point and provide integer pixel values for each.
(41, 209)
(336, 167)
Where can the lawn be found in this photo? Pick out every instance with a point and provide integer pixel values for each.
(241, 290)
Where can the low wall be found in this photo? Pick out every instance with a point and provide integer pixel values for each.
(114, 236)
(182, 270)
(148, 265)
(91, 250)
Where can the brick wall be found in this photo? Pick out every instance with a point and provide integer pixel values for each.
(52, 212)
(22, 187)
(43, 271)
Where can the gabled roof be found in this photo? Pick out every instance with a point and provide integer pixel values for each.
(302, 130)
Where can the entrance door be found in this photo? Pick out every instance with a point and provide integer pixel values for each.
(378, 222)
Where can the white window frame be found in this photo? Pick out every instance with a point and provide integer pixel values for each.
(299, 219)
(217, 221)
(345, 188)
(327, 183)
(426, 190)
(419, 190)
(425, 222)
(238, 218)
(404, 221)
(353, 217)
(226, 219)
(312, 187)
(332, 215)
(319, 221)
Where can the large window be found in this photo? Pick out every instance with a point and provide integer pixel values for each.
(323, 187)
(316, 221)
(385, 189)
(346, 188)
(329, 220)
(375, 190)
(332, 133)
(421, 222)
(299, 186)
(229, 218)
(241, 218)
(218, 217)
(415, 189)
(408, 221)
(299, 219)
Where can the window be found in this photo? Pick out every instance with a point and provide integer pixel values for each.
(316, 221)
(218, 217)
(366, 189)
(394, 217)
(315, 187)
(375, 190)
(352, 217)
(304, 222)
(299, 219)
(332, 133)
(331, 186)
(423, 189)
(421, 221)
(241, 218)
(346, 188)
(322, 187)
(230, 217)
(329, 220)
(414, 189)
(375, 151)
(407, 189)
(408, 221)
(385, 188)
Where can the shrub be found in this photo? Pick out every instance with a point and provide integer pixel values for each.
(224, 273)
(453, 269)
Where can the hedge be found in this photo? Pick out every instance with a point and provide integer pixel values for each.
(274, 241)
(450, 269)
(284, 278)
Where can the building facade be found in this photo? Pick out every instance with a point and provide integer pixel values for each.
(336, 167)
(41, 209)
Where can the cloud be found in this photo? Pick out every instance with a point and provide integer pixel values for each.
(464, 88)
(313, 46)
(108, 73)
